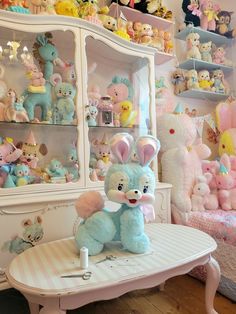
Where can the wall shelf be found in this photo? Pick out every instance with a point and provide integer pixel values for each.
(202, 65)
(162, 57)
(204, 35)
(202, 94)
(135, 15)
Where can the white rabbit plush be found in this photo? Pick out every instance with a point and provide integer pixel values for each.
(202, 198)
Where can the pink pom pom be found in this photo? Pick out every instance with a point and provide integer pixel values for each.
(89, 203)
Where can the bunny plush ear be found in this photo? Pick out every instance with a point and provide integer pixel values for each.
(121, 147)
(226, 115)
(147, 147)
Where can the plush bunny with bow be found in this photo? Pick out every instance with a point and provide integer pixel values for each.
(131, 184)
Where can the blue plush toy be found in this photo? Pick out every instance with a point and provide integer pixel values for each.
(56, 169)
(131, 184)
(46, 53)
(64, 109)
(19, 176)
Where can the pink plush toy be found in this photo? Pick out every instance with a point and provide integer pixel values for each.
(37, 81)
(226, 190)
(182, 156)
(67, 71)
(202, 198)
(120, 89)
(209, 15)
(226, 124)
(219, 55)
(14, 110)
(89, 203)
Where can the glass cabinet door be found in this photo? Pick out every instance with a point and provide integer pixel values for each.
(118, 98)
(40, 140)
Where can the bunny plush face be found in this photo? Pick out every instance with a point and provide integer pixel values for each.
(129, 183)
(175, 130)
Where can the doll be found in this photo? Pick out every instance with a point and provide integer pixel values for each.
(209, 16)
(168, 43)
(192, 12)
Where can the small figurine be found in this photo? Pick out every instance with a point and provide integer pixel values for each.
(56, 169)
(192, 41)
(67, 71)
(116, 119)
(21, 175)
(145, 34)
(220, 84)
(122, 29)
(205, 50)
(223, 24)
(179, 81)
(91, 116)
(192, 79)
(105, 111)
(168, 43)
(208, 17)
(14, 110)
(158, 39)
(73, 168)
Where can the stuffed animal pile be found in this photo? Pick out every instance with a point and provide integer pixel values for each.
(131, 184)
(208, 15)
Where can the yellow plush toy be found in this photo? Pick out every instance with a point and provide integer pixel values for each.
(128, 115)
(66, 7)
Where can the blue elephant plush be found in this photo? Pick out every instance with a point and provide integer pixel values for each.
(132, 184)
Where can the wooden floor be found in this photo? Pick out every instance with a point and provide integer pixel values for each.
(182, 295)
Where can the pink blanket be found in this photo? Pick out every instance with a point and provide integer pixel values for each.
(218, 223)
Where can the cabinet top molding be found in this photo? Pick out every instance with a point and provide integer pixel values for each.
(20, 22)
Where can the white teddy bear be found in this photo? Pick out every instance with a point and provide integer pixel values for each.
(193, 43)
(202, 198)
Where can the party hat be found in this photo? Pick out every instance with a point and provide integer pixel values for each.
(223, 170)
(104, 140)
(178, 109)
(31, 139)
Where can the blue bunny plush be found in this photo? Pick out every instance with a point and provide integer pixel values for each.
(132, 184)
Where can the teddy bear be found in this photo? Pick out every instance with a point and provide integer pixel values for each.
(192, 12)
(64, 108)
(202, 198)
(223, 24)
(192, 41)
(205, 82)
(192, 79)
(205, 50)
(182, 153)
(179, 81)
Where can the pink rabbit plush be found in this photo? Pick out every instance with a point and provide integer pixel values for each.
(212, 167)
(37, 81)
(226, 124)
(226, 191)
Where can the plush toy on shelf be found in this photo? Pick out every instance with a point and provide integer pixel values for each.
(223, 24)
(67, 71)
(219, 82)
(145, 35)
(32, 151)
(56, 170)
(91, 116)
(120, 89)
(122, 29)
(192, 79)
(226, 124)
(103, 162)
(158, 40)
(205, 50)
(193, 42)
(182, 155)
(179, 81)
(131, 184)
(73, 168)
(45, 52)
(205, 81)
(66, 7)
(192, 12)
(209, 16)
(20, 176)
(127, 115)
(64, 108)
(14, 110)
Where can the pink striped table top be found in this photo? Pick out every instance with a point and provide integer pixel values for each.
(40, 268)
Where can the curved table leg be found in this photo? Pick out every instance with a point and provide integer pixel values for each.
(51, 310)
(212, 282)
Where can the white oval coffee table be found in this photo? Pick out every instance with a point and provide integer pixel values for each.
(174, 250)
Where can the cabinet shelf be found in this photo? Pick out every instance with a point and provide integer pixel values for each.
(204, 35)
(39, 124)
(202, 94)
(201, 65)
(135, 15)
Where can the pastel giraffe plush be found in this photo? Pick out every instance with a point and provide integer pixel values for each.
(130, 184)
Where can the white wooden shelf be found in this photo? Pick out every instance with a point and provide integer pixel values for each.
(201, 65)
(202, 94)
(204, 35)
(135, 15)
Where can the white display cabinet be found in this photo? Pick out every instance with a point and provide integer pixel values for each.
(45, 210)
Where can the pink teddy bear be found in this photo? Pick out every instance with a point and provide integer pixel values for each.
(219, 55)
(226, 189)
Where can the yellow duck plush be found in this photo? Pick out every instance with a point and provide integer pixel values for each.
(127, 116)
